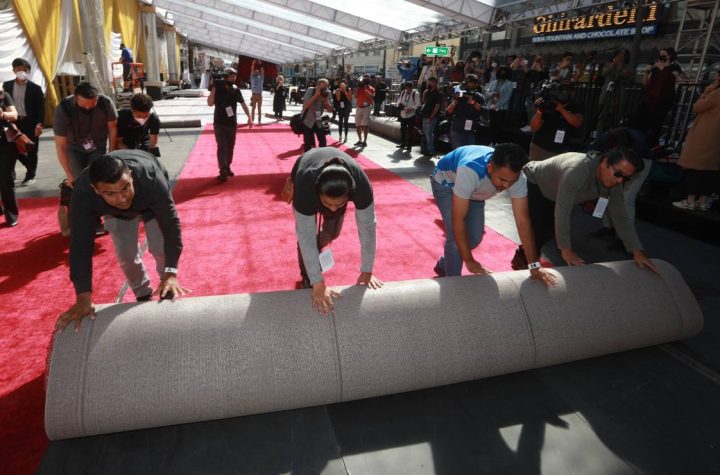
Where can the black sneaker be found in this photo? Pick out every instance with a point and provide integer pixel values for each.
(222, 178)
(144, 298)
(28, 181)
(358, 143)
(439, 271)
(364, 144)
(399, 145)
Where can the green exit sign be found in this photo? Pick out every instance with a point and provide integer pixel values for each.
(436, 50)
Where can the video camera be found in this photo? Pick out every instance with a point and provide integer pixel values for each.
(550, 94)
(463, 95)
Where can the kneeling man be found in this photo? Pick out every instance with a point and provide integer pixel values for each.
(125, 186)
(557, 184)
(324, 180)
(461, 182)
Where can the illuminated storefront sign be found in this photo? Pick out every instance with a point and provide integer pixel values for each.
(610, 23)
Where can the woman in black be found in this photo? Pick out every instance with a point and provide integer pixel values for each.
(280, 97)
(343, 101)
(8, 157)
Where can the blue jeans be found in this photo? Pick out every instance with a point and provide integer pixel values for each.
(452, 263)
(458, 138)
(429, 131)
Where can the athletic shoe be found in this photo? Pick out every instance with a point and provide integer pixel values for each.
(364, 144)
(685, 204)
(399, 145)
(527, 129)
(222, 178)
(358, 143)
(28, 181)
(12, 224)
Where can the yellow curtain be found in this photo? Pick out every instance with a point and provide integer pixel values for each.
(126, 18)
(177, 52)
(40, 19)
(108, 27)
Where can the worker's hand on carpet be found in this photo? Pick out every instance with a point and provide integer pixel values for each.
(476, 268)
(544, 276)
(322, 298)
(571, 258)
(170, 287)
(641, 259)
(367, 278)
(83, 307)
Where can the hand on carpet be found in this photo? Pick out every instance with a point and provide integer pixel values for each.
(322, 298)
(367, 278)
(571, 258)
(83, 307)
(170, 286)
(641, 259)
(476, 268)
(544, 276)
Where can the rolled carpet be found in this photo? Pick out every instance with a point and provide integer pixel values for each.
(161, 363)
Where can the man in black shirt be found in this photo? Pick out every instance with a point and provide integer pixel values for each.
(465, 109)
(557, 123)
(8, 157)
(432, 101)
(137, 127)
(225, 96)
(126, 186)
(380, 94)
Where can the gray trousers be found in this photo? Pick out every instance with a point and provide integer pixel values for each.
(79, 161)
(124, 234)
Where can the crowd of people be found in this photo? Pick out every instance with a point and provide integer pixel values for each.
(115, 181)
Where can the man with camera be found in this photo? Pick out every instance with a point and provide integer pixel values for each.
(225, 96)
(465, 110)
(316, 101)
(380, 94)
(557, 122)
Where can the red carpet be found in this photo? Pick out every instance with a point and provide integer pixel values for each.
(239, 237)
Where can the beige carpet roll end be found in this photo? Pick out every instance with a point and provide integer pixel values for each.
(162, 363)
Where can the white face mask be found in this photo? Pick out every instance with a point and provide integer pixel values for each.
(22, 75)
(140, 120)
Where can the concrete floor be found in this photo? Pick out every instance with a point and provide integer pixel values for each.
(655, 410)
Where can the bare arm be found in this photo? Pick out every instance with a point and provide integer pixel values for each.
(10, 114)
(460, 207)
(61, 143)
(154, 140)
(211, 97)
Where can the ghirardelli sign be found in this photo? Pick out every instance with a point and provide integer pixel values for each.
(612, 17)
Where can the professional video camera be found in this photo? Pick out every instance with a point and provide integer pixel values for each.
(463, 95)
(550, 93)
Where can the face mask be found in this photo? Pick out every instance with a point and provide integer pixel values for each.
(140, 120)
(22, 75)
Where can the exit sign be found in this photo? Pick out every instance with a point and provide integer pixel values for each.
(436, 50)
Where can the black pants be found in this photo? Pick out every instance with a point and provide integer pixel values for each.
(498, 122)
(29, 161)
(343, 120)
(406, 126)
(702, 182)
(542, 216)
(225, 139)
(377, 104)
(330, 226)
(309, 137)
(8, 158)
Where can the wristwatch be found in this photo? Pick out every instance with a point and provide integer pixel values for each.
(534, 265)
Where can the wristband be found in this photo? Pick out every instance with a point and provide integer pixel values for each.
(534, 265)
(171, 270)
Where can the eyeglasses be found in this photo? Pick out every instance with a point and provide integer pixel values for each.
(618, 174)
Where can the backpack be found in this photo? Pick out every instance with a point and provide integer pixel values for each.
(296, 123)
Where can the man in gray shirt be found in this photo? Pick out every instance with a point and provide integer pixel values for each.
(83, 123)
(324, 180)
(555, 185)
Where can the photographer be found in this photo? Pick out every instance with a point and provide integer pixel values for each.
(658, 94)
(408, 103)
(465, 109)
(138, 128)
(316, 100)
(225, 96)
(380, 94)
(557, 122)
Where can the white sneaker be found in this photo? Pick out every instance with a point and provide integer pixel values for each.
(527, 129)
(685, 204)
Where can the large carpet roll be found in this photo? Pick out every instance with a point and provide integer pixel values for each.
(162, 363)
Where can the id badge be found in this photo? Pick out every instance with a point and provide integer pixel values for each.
(600, 207)
(229, 111)
(89, 145)
(560, 136)
(514, 85)
(468, 124)
(342, 105)
(326, 260)
(318, 115)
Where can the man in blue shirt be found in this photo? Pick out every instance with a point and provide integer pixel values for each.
(461, 182)
(126, 58)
